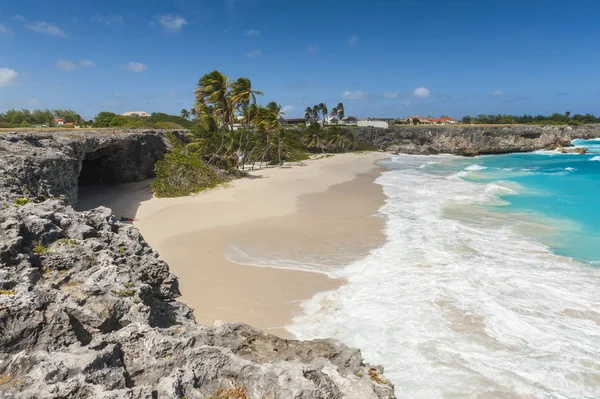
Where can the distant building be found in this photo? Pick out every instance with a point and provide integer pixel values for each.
(139, 114)
(59, 121)
(349, 120)
(383, 123)
(430, 121)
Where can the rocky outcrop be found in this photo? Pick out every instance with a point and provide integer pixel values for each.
(474, 140)
(88, 310)
(49, 165)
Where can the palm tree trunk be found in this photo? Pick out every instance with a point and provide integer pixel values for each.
(279, 147)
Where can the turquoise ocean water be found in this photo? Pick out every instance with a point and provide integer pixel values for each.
(489, 283)
(562, 190)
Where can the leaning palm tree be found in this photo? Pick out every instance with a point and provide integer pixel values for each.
(308, 112)
(185, 113)
(340, 111)
(213, 89)
(338, 139)
(315, 138)
(323, 109)
(315, 112)
(242, 97)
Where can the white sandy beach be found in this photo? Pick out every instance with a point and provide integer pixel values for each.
(320, 212)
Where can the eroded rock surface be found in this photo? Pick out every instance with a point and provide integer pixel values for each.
(88, 310)
(475, 140)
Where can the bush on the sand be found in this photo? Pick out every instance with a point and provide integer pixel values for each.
(182, 173)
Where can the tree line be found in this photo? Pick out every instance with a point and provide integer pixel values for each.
(555, 119)
(157, 120)
(25, 117)
(232, 133)
(320, 112)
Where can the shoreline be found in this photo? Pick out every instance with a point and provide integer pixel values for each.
(322, 210)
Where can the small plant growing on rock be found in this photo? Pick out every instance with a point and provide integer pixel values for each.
(5, 379)
(69, 242)
(40, 249)
(21, 201)
(122, 250)
(8, 292)
(129, 285)
(233, 393)
(123, 293)
(374, 374)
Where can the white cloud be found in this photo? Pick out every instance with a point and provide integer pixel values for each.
(252, 33)
(32, 101)
(136, 67)
(3, 29)
(353, 40)
(497, 93)
(422, 92)
(287, 109)
(8, 77)
(254, 54)
(312, 48)
(46, 28)
(171, 94)
(390, 94)
(172, 23)
(108, 19)
(19, 18)
(117, 94)
(354, 95)
(66, 65)
(86, 63)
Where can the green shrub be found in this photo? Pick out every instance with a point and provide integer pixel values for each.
(182, 173)
(40, 249)
(21, 201)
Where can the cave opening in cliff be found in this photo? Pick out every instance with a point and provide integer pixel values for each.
(96, 172)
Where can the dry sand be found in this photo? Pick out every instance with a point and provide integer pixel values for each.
(310, 217)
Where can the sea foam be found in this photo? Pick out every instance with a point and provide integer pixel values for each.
(459, 302)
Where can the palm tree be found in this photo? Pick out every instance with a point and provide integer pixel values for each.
(323, 109)
(340, 111)
(315, 112)
(242, 97)
(213, 89)
(308, 114)
(185, 113)
(315, 137)
(338, 138)
(277, 114)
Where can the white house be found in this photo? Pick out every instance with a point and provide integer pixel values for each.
(139, 114)
(349, 120)
(373, 122)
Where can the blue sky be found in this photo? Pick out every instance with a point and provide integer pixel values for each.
(381, 58)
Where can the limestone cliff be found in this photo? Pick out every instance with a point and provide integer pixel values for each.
(88, 310)
(474, 140)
